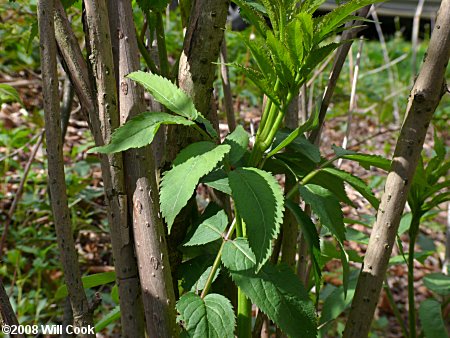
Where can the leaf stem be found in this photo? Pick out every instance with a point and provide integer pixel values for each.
(161, 40)
(217, 261)
(146, 55)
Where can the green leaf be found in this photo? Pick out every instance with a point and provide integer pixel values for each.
(299, 33)
(278, 292)
(357, 184)
(166, 93)
(209, 230)
(341, 152)
(310, 6)
(370, 160)
(259, 200)
(261, 54)
(238, 140)
(179, 183)
(89, 282)
(192, 150)
(208, 126)
(281, 59)
(251, 12)
(312, 239)
(329, 22)
(110, 317)
(9, 94)
(430, 315)
(438, 282)
(237, 255)
(258, 79)
(316, 56)
(139, 131)
(154, 5)
(218, 179)
(326, 206)
(210, 317)
(192, 272)
(310, 124)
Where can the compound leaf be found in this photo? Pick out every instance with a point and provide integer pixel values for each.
(209, 230)
(179, 183)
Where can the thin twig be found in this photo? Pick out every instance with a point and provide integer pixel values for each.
(8, 315)
(227, 96)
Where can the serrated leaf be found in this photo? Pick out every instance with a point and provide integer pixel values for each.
(191, 272)
(341, 152)
(310, 6)
(261, 54)
(299, 33)
(238, 140)
(211, 317)
(237, 255)
(357, 184)
(218, 179)
(166, 93)
(209, 230)
(179, 183)
(334, 184)
(326, 206)
(281, 60)
(192, 150)
(316, 56)
(259, 200)
(277, 291)
(430, 315)
(332, 20)
(438, 282)
(258, 79)
(252, 13)
(139, 131)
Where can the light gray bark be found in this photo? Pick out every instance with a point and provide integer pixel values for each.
(102, 124)
(57, 184)
(142, 189)
(425, 96)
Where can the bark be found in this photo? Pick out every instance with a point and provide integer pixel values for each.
(57, 184)
(425, 96)
(197, 69)
(102, 123)
(142, 189)
(7, 312)
(227, 96)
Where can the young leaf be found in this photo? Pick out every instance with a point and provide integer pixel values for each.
(280, 56)
(237, 255)
(430, 315)
(326, 206)
(208, 126)
(218, 179)
(310, 6)
(262, 57)
(260, 203)
(238, 140)
(179, 183)
(357, 184)
(329, 22)
(211, 317)
(166, 93)
(299, 34)
(278, 292)
(139, 131)
(209, 230)
(251, 12)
